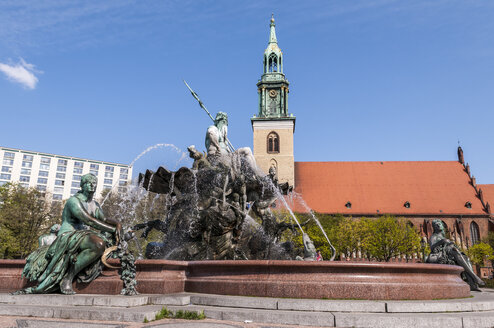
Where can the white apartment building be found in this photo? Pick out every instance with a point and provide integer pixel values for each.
(59, 175)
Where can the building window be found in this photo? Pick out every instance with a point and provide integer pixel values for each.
(27, 164)
(62, 162)
(348, 205)
(24, 185)
(5, 176)
(24, 178)
(58, 190)
(42, 180)
(108, 181)
(61, 168)
(41, 187)
(43, 173)
(108, 175)
(44, 166)
(60, 175)
(109, 169)
(8, 155)
(76, 184)
(3, 182)
(273, 143)
(59, 183)
(77, 170)
(45, 160)
(94, 167)
(122, 183)
(57, 197)
(106, 187)
(468, 205)
(93, 172)
(6, 169)
(28, 158)
(76, 178)
(79, 164)
(8, 162)
(474, 233)
(26, 171)
(124, 176)
(406, 204)
(73, 191)
(124, 171)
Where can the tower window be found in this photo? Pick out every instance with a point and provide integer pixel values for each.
(407, 204)
(273, 63)
(348, 205)
(273, 143)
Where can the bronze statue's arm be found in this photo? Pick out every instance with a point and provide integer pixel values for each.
(80, 212)
(101, 216)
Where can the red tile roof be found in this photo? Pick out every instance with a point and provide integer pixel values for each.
(431, 188)
(488, 191)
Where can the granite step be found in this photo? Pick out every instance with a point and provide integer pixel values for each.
(477, 311)
(95, 300)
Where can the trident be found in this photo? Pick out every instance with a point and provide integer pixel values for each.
(232, 149)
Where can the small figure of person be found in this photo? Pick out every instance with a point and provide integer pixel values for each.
(319, 256)
(77, 249)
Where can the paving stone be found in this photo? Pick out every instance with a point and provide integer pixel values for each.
(193, 325)
(174, 299)
(47, 299)
(234, 301)
(478, 319)
(331, 305)
(427, 307)
(28, 311)
(386, 320)
(320, 319)
(136, 314)
(28, 323)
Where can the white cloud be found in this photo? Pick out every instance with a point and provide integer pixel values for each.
(21, 72)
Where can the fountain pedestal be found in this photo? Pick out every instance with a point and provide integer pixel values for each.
(294, 279)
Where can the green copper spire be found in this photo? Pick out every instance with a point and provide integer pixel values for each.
(272, 32)
(273, 86)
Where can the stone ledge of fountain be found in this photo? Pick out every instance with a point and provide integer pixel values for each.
(269, 278)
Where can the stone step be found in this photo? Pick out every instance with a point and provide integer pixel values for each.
(132, 314)
(95, 300)
(299, 318)
(422, 320)
(465, 313)
(479, 302)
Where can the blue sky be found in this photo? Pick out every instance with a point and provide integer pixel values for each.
(369, 80)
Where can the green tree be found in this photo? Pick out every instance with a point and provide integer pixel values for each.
(346, 236)
(25, 214)
(386, 237)
(480, 252)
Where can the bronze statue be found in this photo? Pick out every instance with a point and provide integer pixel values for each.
(77, 250)
(444, 251)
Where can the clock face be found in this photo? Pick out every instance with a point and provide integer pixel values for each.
(272, 93)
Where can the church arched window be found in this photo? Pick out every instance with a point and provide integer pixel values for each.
(273, 143)
(273, 63)
(474, 233)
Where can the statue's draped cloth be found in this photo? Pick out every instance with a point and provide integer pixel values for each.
(48, 264)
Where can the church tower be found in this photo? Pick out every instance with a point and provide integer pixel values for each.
(273, 126)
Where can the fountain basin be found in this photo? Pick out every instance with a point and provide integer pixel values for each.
(294, 279)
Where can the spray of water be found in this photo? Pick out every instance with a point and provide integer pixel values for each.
(302, 202)
(144, 152)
